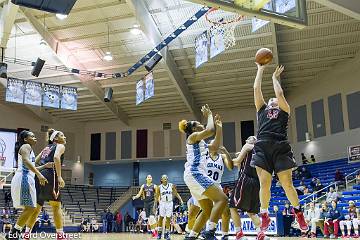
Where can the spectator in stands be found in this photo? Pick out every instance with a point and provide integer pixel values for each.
(304, 159)
(84, 225)
(300, 188)
(109, 219)
(324, 211)
(333, 219)
(318, 187)
(94, 225)
(351, 219)
(305, 173)
(44, 219)
(332, 195)
(312, 157)
(339, 177)
(288, 219)
(7, 198)
(313, 182)
(118, 222)
(296, 174)
(104, 221)
(358, 178)
(5, 211)
(127, 219)
(312, 216)
(7, 223)
(306, 191)
(275, 209)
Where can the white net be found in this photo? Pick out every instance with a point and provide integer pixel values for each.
(223, 24)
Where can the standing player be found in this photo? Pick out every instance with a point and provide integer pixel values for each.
(215, 168)
(23, 190)
(272, 150)
(245, 195)
(210, 197)
(164, 195)
(147, 193)
(53, 153)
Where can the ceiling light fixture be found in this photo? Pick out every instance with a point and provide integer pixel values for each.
(108, 56)
(135, 30)
(61, 16)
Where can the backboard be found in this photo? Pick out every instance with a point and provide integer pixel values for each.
(285, 12)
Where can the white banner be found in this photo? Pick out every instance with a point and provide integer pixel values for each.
(354, 153)
(249, 228)
(201, 49)
(282, 6)
(7, 149)
(259, 23)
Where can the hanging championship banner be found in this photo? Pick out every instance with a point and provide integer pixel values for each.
(283, 6)
(149, 85)
(139, 92)
(217, 44)
(259, 23)
(354, 153)
(33, 93)
(69, 98)
(201, 49)
(51, 96)
(15, 90)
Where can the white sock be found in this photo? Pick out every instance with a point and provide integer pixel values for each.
(17, 227)
(258, 229)
(159, 229)
(237, 229)
(263, 210)
(193, 234)
(61, 230)
(356, 232)
(212, 225)
(225, 233)
(297, 207)
(167, 230)
(27, 229)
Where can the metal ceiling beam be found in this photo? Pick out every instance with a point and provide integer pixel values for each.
(275, 43)
(350, 8)
(152, 32)
(68, 59)
(7, 19)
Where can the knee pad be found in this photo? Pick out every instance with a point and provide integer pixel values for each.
(152, 220)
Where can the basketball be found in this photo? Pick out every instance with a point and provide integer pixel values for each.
(263, 56)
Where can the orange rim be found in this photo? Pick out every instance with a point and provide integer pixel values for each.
(221, 23)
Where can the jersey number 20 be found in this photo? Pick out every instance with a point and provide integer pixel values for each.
(214, 175)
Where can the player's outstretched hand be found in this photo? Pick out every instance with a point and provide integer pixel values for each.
(205, 110)
(279, 69)
(261, 67)
(248, 146)
(218, 122)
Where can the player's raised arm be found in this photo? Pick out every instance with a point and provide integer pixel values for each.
(283, 104)
(208, 131)
(258, 96)
(215, 144)
(241, 156)
(226, 157)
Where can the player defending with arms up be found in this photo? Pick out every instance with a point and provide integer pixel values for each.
(147, 193)
(272, 151)
(164, 194)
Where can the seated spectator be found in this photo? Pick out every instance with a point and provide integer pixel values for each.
(350, 219)
(313, 182)
(333, 219)
(127, 219)
(312, 216)
(339, 177)
(44, 219)
(324, 211)
(84, 225)
(7, 223)
(94, 225)
(306, 191)
(319, 187)
(288, 219)
(7, 198)
(332, 195)
(5, 211)
(305, 173)
(304, 159)
(312, 157)
(358, 178)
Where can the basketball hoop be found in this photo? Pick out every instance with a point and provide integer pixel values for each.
(224, 24)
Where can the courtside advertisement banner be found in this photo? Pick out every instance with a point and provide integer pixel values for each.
(149, 85)
(248, 227)
(354, 153)
(15, 90)
(139, 92)
(51, 96)
(7, 149)
(69, 98)
(201, 49)
(217, 44)
(33, 93)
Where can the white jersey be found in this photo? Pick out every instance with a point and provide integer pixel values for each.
(166, 193)
(197, 155)
(21, 166)
(215, 168)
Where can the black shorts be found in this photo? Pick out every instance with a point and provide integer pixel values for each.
(273, 156)
(50, 191)
(245, 195)
(149, 208)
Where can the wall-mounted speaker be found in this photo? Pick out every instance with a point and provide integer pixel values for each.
(39, 64)
(53, 6)
(108, 94)
(152, 62)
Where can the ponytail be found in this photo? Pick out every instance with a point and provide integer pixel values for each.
(186, 127)
(21, 141)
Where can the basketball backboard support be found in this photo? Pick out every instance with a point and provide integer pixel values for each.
(291, 13)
